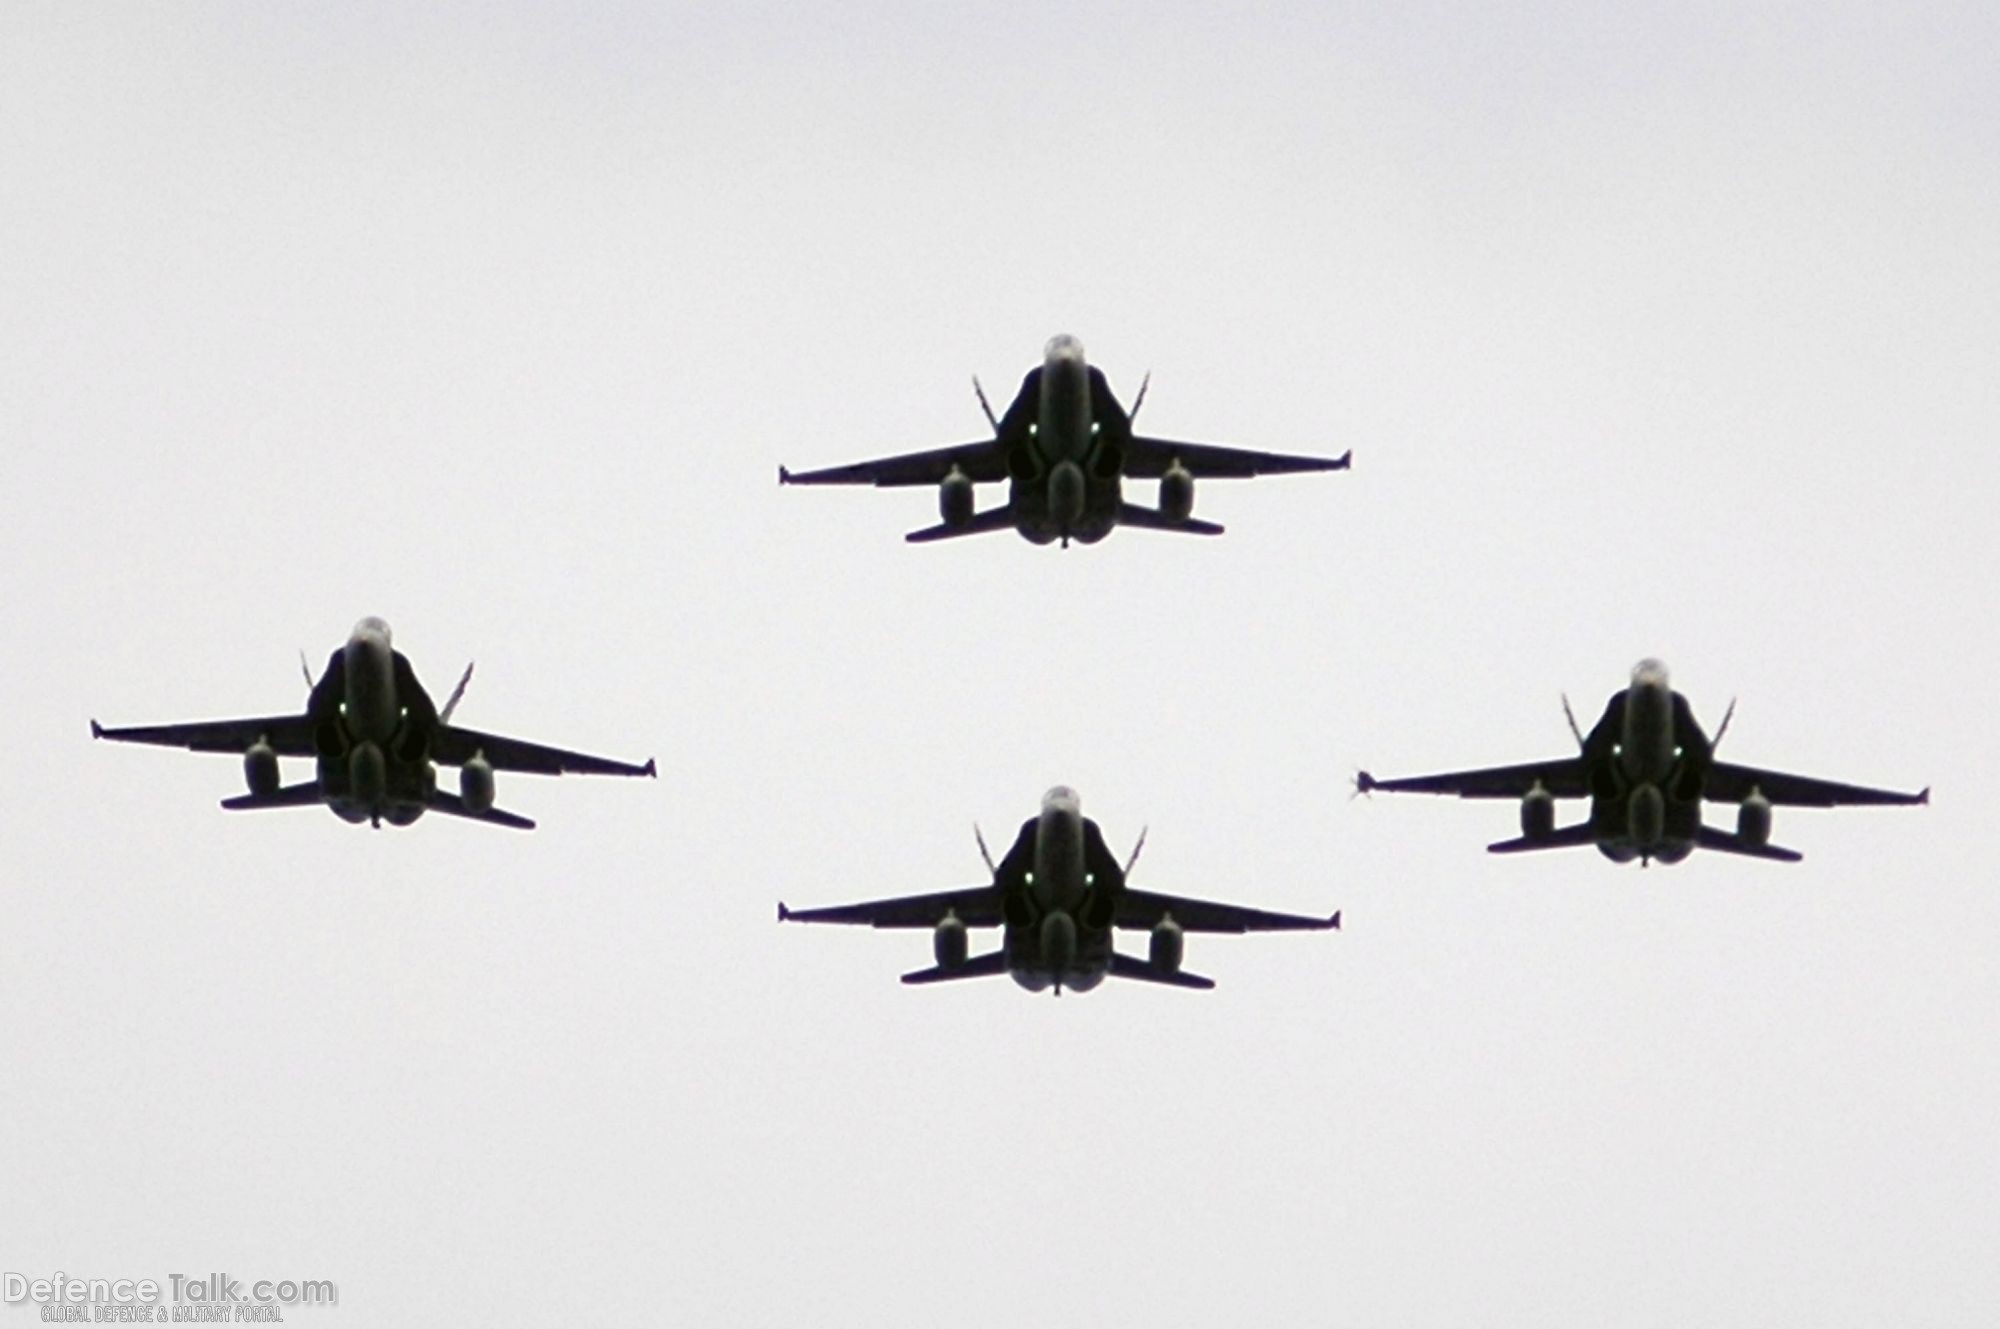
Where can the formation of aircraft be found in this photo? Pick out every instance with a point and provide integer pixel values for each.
(377, 740)
(1059, 896)
(1646, 767)
(1065, 446)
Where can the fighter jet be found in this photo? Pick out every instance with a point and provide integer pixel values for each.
(1645, 766)
(1065, 446)
(378, 740)
(1058, 894)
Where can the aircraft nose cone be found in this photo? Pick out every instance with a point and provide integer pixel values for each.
(372, 626)
(1062, 796)
(1062, 346)
(1650, 671)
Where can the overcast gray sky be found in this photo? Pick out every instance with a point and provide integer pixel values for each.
(1652, 332)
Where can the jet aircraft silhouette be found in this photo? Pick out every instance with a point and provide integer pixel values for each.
(1059, 895)
(1064, 446)
(1646, 768)
(378, 740)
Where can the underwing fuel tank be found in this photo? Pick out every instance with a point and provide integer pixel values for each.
(1177, 492)
(1753, 818)
(955, 499)
(260, 768)
(948, 943)
(1538, 813)
(475, 783)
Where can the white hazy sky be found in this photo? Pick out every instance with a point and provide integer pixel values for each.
(1654, 332)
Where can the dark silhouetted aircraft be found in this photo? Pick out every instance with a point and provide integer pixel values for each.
(378, 741)
(1065, 446)
(1645, 767)
(1059, 895)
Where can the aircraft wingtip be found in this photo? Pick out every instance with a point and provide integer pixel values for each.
(784, 475)
(1923, 797)
(1363, 782)
(1334, 922)
(649, 770)
(1346, 460)
(783, 912)
(97, 731)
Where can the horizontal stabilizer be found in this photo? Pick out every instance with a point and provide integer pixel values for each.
(443, 800)
(990, 965)
(1713, 837)
(1152, 519)
(993, 519)
(303, 795)
(1130, 966)
(1569, 837)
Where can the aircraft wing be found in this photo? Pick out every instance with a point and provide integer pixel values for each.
(1565, 777)
(1149, 458)
(288, 735)
(452, 746)
(982, 461)
(976, 907)
(1143, 909)
(1729, 783)
(442, 800)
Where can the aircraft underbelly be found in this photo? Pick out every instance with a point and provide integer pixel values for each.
(1033, 968)
(397, 792)
(1646, 822)
(1037, 518)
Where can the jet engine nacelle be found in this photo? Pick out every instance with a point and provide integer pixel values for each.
(1753, 818)
(475, 783)
(1538, 813)
(948, 943)
(260, 768)
(955, 499)
(1167, 945)
(1177, 492)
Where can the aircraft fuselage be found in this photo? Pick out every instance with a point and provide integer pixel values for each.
(1058, 933)
(372, 762)
(368, 710)
(1646, 791)
(1065, 485)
